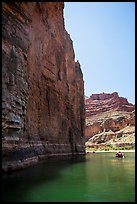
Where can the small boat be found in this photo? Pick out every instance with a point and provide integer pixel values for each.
(120, 154)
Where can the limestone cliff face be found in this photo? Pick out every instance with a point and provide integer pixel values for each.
(110, 120)
(43, 88)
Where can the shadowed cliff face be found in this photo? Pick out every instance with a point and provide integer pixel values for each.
(43, 87)
(110, 120)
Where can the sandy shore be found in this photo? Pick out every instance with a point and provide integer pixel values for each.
(111, 151)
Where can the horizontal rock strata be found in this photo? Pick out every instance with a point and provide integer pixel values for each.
(110, 121)
(42, 85)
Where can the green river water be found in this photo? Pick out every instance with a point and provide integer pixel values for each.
(96, 177)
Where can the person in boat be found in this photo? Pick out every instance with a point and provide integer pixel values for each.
(119, 154)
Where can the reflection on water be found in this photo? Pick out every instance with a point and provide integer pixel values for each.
(99, 177)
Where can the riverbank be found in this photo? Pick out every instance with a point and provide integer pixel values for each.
(111, 151)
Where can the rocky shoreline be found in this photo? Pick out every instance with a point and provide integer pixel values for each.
(110, 151)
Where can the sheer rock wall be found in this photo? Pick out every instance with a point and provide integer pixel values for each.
(42, 86)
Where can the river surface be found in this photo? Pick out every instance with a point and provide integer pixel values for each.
(96, 177)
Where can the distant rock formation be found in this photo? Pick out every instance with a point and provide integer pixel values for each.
(110, 120)
(42, 86)
(103, 102)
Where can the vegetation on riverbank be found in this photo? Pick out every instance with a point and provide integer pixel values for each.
(90, 149)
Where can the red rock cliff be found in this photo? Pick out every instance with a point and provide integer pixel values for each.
(110, 120)
(43, 88)
(98, 103)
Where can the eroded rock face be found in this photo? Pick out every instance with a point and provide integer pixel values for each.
(98, 103)
(110, 120)
(43, 88)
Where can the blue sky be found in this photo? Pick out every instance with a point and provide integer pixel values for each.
(103, 35)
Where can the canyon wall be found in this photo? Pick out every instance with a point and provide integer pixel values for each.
(42, 86)
(110, 121)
